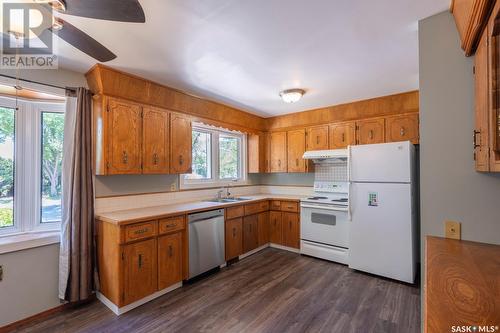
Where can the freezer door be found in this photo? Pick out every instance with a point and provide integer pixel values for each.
(382, 237)
(385, 163)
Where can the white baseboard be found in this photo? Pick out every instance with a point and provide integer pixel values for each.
(118, 311)
(286, 248)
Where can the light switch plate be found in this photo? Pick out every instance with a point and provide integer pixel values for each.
(452, 230)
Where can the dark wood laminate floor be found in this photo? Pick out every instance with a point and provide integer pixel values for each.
(272, 291)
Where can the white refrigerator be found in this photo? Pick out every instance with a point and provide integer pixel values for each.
(383, 210)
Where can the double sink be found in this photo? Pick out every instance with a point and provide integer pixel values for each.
(227, 200)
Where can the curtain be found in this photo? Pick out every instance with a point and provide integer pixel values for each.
(77, 253)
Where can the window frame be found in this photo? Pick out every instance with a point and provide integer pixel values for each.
(216, 181)
(27, 149)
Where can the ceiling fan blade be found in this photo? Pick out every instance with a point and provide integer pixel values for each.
(111, 10)
(84, 42)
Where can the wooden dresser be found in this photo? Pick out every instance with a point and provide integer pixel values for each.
(462, 286)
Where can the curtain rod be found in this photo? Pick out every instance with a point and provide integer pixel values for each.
(36, 82)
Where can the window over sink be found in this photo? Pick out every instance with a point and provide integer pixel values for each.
(219, 158)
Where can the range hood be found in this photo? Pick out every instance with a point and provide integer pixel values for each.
(321, 155)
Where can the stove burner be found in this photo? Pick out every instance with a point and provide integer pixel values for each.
(341, 200)
(317, 198)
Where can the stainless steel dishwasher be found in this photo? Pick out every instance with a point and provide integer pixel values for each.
(206, 241)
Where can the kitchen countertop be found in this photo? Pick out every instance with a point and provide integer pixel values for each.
(462, 284)
(150, 213)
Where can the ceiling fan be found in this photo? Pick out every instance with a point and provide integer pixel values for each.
(111, 10)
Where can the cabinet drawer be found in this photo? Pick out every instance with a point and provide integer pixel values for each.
(234, 212)
(276, 205)
(256, 208)
(171, 224)
(140, 231)
(290, 206)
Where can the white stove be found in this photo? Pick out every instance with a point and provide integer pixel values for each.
(325, 222)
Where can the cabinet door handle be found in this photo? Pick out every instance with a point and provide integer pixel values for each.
(181, 160)
(290, 225)
(370, 135)
(140, 260)
(297, 162)
(317, 140)
(170, 251)
(475, 139)
(279, 163)
(155, 158)
(402, 131)
(234, 232)
(125, 157)
(343, 137)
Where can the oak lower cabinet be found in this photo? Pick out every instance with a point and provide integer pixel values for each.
(234, 238)
(275, 227)
(138, 259)
(291, 229)
(284, 225)
(370, 131)
(169, 260)
(342, 135)
(263, 228)
(139, 270)
(250, 233)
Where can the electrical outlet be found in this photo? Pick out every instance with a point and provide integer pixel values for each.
(1, 273)
(452, 229)
(173, 187)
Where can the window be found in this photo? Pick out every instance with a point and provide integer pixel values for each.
(51, 166)
(7, 130)
(31, 147)
(218, 158)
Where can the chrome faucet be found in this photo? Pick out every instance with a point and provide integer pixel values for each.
(228, 193)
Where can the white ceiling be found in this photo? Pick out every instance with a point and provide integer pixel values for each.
(243, 53)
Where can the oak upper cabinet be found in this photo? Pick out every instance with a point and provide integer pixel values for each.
(402, 128)
(155, 141)
(317, 138)
(342, 135)
(296, 146)
(263, 228)
(258, 158)
(370, 131)
(250, 233)
(291, 229)
(124, 135)
(139, 270)
(492, 103)
(481, 130)
(169, 260)
(470, 16)
(180, 141)
(234, 238)
(278, 152)
(275, 227)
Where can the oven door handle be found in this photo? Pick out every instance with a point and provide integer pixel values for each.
(324, 207)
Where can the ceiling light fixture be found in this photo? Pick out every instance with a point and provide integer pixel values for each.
(292, 95)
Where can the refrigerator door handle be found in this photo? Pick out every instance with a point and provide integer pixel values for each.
(349, 213)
